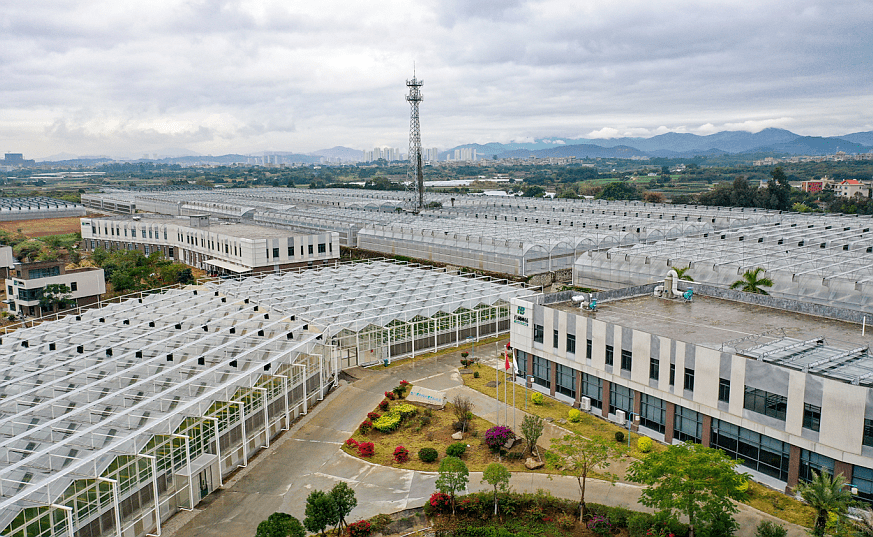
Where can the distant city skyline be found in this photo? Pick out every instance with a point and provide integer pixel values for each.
(124, 79)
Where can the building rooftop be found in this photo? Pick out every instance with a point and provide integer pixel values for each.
(834, 349)
(233, 229)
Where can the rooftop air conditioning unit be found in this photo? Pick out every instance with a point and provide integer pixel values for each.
(585, 404)
(620, 416)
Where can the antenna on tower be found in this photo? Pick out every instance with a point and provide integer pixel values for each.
(414, 174)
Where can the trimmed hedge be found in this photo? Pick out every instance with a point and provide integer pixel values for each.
(428, 454)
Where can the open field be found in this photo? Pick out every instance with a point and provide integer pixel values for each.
(43, 226)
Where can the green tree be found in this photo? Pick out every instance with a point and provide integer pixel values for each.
(55, 294)
(185, 276)
(280, 525)
(453, 477)
(752, 283)
(683, 273)
(320, 512)
(532, 430)
(344, 499)
(578, 457)
(619, 190)
(497, 476)
(689, 479)
(826, 494)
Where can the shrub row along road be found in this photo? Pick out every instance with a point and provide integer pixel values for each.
(308, 457)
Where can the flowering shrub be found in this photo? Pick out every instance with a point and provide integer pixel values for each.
(366, 425)
(405, 410)
(352, 443)
(360, 528)
(373, 416)
(600, 525)
(405, 383)
(659, 530)
(574, 415)
(497, 437)
(537, 398)
(401, 454)
(383, 405)
(440, 502)
(644, 444)
(387, 423)
(470, 505)
(398, 391)
(366, 449)
(390, 396)
(566, 521)
(428, 454)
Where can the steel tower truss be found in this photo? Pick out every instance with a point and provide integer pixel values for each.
(415, 175)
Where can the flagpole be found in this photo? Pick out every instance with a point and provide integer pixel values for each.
(497, 390)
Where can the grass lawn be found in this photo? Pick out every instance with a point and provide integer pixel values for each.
(760, 497)
(413, 435)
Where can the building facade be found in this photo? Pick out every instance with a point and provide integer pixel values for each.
(205, 243)
(691, 372)
(851, 187)
(26, 283)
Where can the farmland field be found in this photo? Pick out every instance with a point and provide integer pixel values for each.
(44, 226)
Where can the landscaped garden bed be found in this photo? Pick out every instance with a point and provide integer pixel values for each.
(396, 432)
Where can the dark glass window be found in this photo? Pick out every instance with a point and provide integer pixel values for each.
(554, 339)
(672, 374)
(592, 388)
(571, 343)
(171, 252)
(653, 413)
(588, 347)
(290, 251)
(565, 380)
(74, 286)
(620, 398)
(688, 380)
(813, 462)
(654, 368)
(322, 248)
(687, 425)
(758, 452)
(862, 478)
(541, 371)
(609, 354)
(521, 363)
(627, 358)
(811, 417)
(310, 249)
(724, 390)
(538, 333)
(763, 402)
(275, 252)
(867, 439)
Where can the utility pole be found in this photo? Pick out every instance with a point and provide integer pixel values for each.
(414, 174)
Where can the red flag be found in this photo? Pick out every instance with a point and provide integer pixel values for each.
(506, 366)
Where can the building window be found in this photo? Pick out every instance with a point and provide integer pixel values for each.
(653, 413)
(47, 272)
(724, 390)
(310, 249)
(811, 417)
(867, 439)
(150, 233)
(145, 249)
(322, 248)
(538, 333)
(654, 368)
(143, 233)
(554, 339)
(521, 363)
(171, 252)
(571, 344)
(621, 398)
(588, 348)
(627, 358)
(592, 388)
(758, 452)
(813, 462)
(276, 253)
(290, 251)
(672, 374)
(687, 425)
(763, 402)
(165, 233)
(541, 371)
(330, 247)
(688, 380)
(862, 478)
(301, 250)
(565, 380)
(609, 353)
(74, 286)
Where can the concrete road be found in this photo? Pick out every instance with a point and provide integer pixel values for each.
(309, 457)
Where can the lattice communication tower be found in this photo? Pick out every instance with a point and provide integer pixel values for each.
(415, 175)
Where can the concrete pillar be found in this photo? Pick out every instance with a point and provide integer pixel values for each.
(706, 432)
(578, 388)
(553, 377)
(638, 406)
(793, 469)
(605, 410)
(529, 367)
(844, 468)
(671, 420)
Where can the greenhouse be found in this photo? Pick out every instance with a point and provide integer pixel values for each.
(826, 260)
(31, 208)
(377, 310)
(115, 418)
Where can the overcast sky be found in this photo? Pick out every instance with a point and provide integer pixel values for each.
(124, 77)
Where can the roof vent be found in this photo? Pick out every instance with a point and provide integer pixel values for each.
(290, 335)
(126, 321)
(205, 328)
(216, 293)
(233, 330)
(233, 363)
(201, 361)
(102, 319)
(260, 332)
(108, 352)
(170, 357)
(151, 324)
(266, 367)
(266, 316)
(293, 317)
(139, 300)
(306, 327)
(256, 308)
(223, 299)
(25, 344)
(78, 317)
(80, 349)
(246, 301)
(138, 354)
(52, 346)
(178, 326)
(195, 292)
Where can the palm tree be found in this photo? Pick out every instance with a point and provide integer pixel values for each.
(682, 273)
(826, 495)
(751, 283)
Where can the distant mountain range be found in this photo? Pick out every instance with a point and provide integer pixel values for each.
(776, 142)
